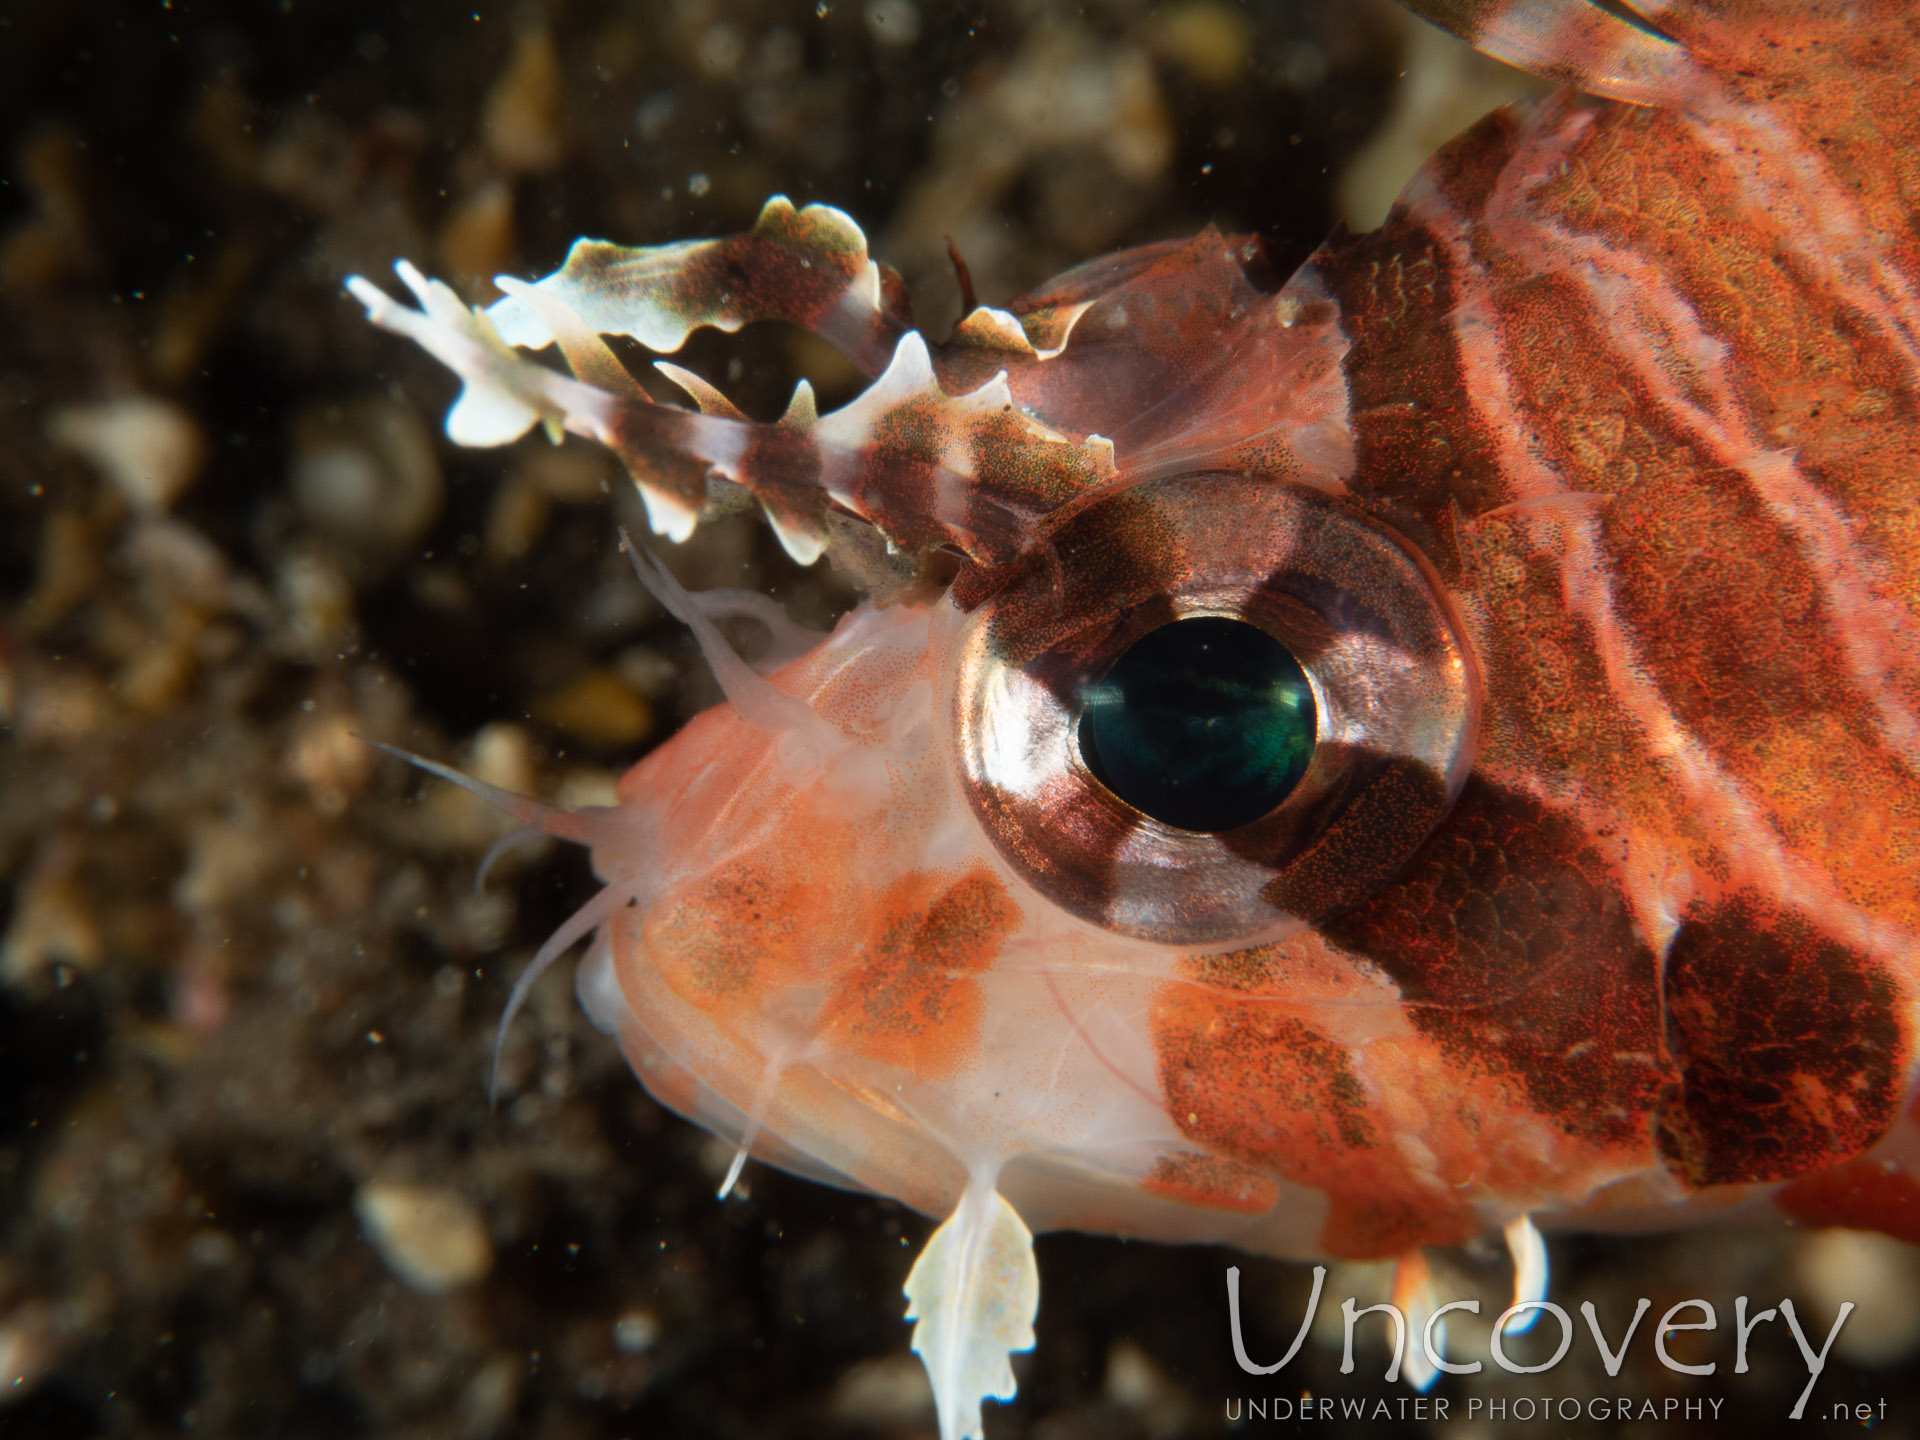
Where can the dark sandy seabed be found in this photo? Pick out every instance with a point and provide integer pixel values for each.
(247, 992)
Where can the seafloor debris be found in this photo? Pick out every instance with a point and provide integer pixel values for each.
(151, 450)
(430, 1236)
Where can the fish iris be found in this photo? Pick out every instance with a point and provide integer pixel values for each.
(1204, 724)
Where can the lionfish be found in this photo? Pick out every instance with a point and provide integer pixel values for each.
(1335, 769)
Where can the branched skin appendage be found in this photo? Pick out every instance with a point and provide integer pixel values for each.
(1426, 749)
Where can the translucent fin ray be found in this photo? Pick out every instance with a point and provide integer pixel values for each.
(582, 923)
(788, 640)
(929, 469)
(512, 840)
(579, 826)
(760, 702)
(1605, 47)
(756, 1116)
(1413, 1293)
(1530, 1270)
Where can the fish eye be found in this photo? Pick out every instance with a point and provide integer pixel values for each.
(1204, 724)
(1210, 709)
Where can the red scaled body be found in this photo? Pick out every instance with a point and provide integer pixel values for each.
(1583, 492)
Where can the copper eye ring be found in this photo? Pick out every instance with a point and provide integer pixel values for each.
(1391, 670)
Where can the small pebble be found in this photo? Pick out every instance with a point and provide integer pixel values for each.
(54, 239)
(586, 785)
(1137, 1385)
(515, 520)
(574, 473)
(317, 603)
(719, 52)
(149, 449)
(635, 1332)
(1881, 1276)
(476, 239)
(1206, 39)
(598, 707)
(1447, 87)
(523, 119)
(893, 23)
(486, 1405)
(69, 569)
(226, 861)
(325, 756)
(53, 922)
(890, 1393)
(366, 473)
(27, 1352)
(501, 754)
(431, 1237)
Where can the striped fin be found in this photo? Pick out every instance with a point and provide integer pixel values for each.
(808, 266)
(1178, 354)
(928, 468)
(1603, 47)
(1157, 360)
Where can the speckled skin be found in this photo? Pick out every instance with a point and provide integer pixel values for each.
(1652, 952)
(1595, 903)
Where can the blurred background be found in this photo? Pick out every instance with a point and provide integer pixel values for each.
(249, 1181)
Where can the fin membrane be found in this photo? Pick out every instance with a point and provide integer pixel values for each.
(974, 1293)
(1605, 47)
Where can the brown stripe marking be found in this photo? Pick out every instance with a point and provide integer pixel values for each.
(1730, 621)
(1813, 369)
(1258, 1082)
(1213, 1181)
(1512, 942)
(1568, 715)
(1381, 808)
(1791, 1048)
(1555, 717)
(1649, 252)
(1838, 81)
(1571, 712)
(1421, 451)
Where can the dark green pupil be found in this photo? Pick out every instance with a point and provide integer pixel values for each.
(1204, 724)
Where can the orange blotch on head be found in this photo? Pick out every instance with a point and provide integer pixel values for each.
(908, 999)
(1863, 1194)
(715, 944)
(1252, 1080)
(1212, 1181)
(731, 940)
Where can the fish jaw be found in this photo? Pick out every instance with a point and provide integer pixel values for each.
(830, 932)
